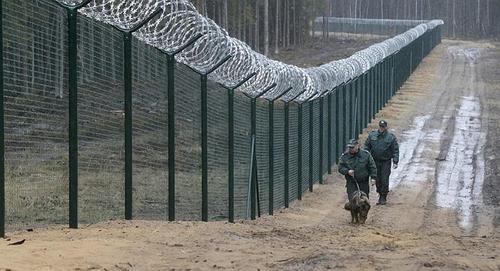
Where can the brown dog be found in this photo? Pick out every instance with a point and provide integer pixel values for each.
(359, 207)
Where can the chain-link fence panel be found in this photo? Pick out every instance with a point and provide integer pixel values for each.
(325, 165)
(218, 150)
(316, 153)
(35, 104)
(100, 122)
(279, 155)
(149, 133)
(293, 163)
(187, 144)
(242, 152)
(305, 147)
(262, 130)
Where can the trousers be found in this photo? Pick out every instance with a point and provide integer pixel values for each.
(383, 173)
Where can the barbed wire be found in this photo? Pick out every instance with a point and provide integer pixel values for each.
(179, 22)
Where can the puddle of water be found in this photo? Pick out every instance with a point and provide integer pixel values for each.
(471, 55)
(460, 177)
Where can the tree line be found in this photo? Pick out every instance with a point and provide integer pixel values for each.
(268, 25)
(464, 19)
(265, 25)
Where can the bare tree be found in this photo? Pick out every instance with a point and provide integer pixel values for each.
(224, 15)
(266, 27)
(257, 26)
(277, 28)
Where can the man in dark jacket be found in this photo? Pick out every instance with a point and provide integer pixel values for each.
(384, 147)
(357, 166)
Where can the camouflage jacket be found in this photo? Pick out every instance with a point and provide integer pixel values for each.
(361, 162)
(382, 146)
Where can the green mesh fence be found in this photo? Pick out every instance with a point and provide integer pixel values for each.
(100, 123)
(293, 151)
(242, 147)
(305, 147)
(218, 138)
(36, 69)
(324, 166)
(262, 130)
(279, 155)
(150, 128)
(187, 144)
(35, 104)
(316, 136)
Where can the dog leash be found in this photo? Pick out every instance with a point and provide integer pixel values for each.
(357, 185)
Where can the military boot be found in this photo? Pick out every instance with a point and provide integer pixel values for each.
(382, 200)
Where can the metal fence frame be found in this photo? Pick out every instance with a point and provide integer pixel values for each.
(349, 108)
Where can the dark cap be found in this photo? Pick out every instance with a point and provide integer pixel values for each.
(352, 143)
(382, 123)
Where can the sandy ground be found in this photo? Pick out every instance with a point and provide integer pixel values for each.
(443, 210)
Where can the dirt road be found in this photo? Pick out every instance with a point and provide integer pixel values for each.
(443, 211)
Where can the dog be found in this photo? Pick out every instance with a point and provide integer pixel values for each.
(359, 205)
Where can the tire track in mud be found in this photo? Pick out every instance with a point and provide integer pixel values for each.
(459, 173)
(442, 164)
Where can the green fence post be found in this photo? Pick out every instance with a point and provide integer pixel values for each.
(73, 118)
(171, 125)
(321, 137)
(230, 181)
(253, 188)
(204, 136)
(337, 122)
(382, 104)
(380, 86)
(127, 89)
(271, 140)
(299, 153)
(171, 135)
(127, 76)
(388, 69)
(299, 144)
(230, 108)
(377, 87)
(384, 83)
(352, 88)
(71, 12)
(287, 153)
(330, 138)
(367, 99)
(311, 134)
(287, 145)
(359, 102)
(393, 88)
(2, 131)
(345, 117)
(388, 79)
(369, 96)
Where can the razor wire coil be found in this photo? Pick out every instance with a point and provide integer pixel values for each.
(180, 22)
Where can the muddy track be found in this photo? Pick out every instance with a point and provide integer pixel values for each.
(443, 211)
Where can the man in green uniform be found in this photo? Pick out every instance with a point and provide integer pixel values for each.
(384, 147)
(357, 166)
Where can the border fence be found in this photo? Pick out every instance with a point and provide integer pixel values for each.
(95, 124)
(342, 26)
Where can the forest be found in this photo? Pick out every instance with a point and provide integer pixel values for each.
(273, 24)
